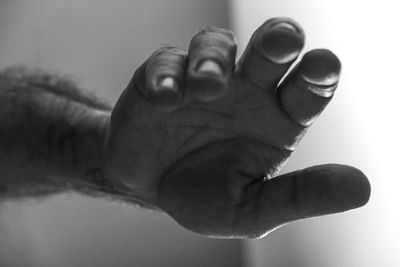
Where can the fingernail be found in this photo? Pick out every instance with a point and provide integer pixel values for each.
(320, 67)
(165, 94)
(210, 67)
(281, 41)
(319, 72)
(168, 83)
(286, 25)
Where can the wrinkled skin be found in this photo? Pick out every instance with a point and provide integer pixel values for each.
(207, 147)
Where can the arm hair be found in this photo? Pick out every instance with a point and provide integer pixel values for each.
(51, 134)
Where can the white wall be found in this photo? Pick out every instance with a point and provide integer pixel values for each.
(360, 127)
(100, 43)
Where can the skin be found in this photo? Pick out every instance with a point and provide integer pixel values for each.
(204, 149)
(203, 138)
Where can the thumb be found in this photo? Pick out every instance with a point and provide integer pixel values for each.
(314, 191)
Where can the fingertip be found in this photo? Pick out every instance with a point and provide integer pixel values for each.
(359, 189)
(164, 94)
(272, 49)
(280, 40)
(307, 90)
(161, 78)
(207, 81)
(320, 67)
(211, 62)
(333, 188)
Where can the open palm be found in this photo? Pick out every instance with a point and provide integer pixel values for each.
(202, 138)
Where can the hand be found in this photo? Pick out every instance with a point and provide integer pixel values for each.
(203, 139)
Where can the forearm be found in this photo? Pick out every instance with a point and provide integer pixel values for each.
(50, 139)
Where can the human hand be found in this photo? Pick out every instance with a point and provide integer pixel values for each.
(203, 139)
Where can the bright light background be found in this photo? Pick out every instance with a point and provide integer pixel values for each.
(360, 127)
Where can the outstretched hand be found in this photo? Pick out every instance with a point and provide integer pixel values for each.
(203, 138)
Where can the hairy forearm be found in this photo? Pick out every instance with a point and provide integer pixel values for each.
(51, 135)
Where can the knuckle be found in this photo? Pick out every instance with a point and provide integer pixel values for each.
(226, 33)
(169, 50)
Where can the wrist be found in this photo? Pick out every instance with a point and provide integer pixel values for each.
(84, 146)
(90, 140)
(97, 178)
(98, 183)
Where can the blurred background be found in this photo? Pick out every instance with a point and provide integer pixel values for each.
(100, 43)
